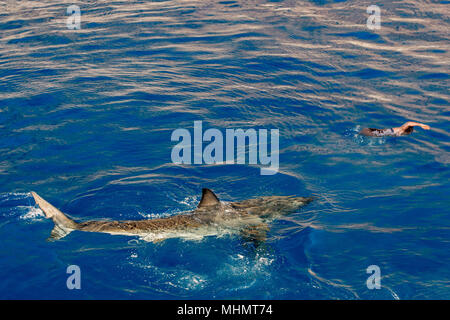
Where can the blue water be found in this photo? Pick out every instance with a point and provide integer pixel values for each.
(86, 118)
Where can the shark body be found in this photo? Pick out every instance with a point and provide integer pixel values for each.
(249, 218)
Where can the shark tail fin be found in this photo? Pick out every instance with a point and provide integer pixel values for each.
(63, 225)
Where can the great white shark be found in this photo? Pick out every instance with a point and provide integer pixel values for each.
(248, 218)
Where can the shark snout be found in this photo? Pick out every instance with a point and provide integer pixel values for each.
(298, 202)
(301, 201)
(282, 205)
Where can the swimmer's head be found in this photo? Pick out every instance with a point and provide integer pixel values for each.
(408, 130)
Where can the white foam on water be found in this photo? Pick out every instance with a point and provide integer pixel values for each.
(247, 267)
(32, 213)
(21, 205)
(154, 215)
(394, 295)
(4, 197)
(360, 139)
(192, 282)
(244, 270)
(191, 202)
(184, 280)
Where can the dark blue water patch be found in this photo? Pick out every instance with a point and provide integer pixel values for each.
(296, 79)
(433, 86)
(11, 142)
(346, 55)
(324, 2)
(314, 65)
(212, 38)
(49, 39)
(363, 35)
(16, 72)
(429, 168)
(314, 28)
(436, 51)
(12, 25)
(262, 63)
(19, 23)
(47, 99)
(292, 105)
(156, 52)
(289, 246)
(144, 96)
(406, 90)
(434, 76)
(421, 264)
(366, 110)
(404, 25)
(370, 73)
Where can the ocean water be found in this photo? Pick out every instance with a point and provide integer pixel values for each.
(86, 118)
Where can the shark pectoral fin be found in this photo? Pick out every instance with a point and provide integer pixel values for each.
(58, 233)
(256, 233)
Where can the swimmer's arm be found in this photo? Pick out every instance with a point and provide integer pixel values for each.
(403, 128)
(413, 124)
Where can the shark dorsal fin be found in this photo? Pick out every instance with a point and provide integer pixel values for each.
(208, 199)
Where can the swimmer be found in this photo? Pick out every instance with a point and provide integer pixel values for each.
(404, 130)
